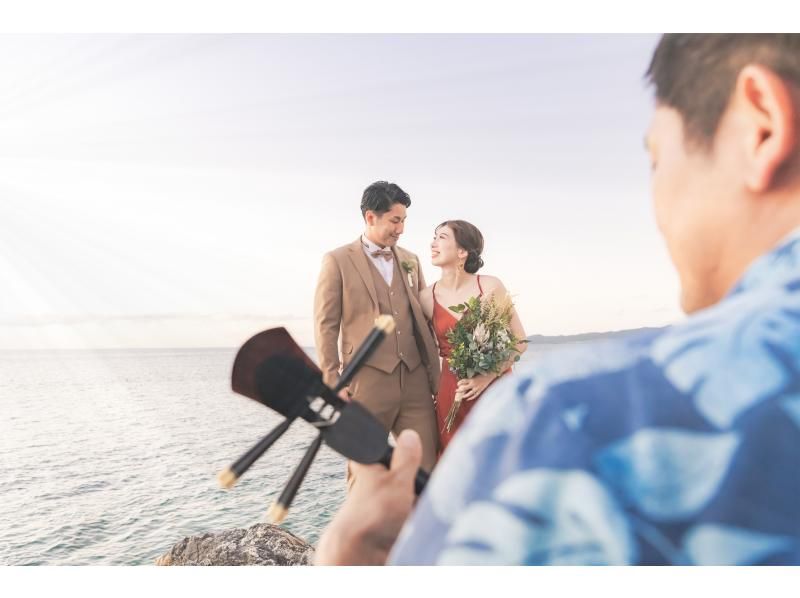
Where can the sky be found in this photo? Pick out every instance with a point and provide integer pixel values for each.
(180, 190)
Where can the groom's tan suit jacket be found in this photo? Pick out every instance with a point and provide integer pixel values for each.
(349, 297)
(398, 380)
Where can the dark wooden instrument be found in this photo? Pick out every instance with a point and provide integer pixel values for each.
(272, 369)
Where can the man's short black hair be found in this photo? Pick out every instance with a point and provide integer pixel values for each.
(695, 73)
(380, 196)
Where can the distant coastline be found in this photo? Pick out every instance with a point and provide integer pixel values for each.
(540, 339)
(533, 339)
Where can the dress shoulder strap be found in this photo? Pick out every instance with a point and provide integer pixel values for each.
(479, 286)
(435, 303)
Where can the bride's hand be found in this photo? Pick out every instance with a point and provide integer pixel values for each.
(471, 388)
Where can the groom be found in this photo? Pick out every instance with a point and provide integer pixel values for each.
(360, 281)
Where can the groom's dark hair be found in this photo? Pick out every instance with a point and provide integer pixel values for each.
(380, 196)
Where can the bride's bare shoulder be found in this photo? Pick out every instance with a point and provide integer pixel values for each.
(491, 284)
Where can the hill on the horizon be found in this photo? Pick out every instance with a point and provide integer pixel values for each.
(540, 339)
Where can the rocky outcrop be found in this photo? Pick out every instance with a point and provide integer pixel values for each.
(262, 544)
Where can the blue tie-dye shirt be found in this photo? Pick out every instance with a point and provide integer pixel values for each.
(679, 446)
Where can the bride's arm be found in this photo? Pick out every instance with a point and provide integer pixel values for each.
(472, 388)
(497, 289)
(426, 301)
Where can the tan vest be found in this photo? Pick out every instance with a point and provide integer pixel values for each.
(402, 345)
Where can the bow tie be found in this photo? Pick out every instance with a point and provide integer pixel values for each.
(384, 253)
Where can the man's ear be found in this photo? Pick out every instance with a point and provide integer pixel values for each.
(369, 218)
(769, 116)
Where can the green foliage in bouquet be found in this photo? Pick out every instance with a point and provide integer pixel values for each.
(481, 341)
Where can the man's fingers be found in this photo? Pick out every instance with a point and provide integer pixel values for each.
(407, 456)
(359, 470)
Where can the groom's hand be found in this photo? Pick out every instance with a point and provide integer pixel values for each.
(366, 527)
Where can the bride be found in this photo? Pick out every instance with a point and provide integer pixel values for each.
(456, 248)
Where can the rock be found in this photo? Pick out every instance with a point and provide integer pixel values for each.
(262, 544)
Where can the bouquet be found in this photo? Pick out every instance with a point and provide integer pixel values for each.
(481, 342)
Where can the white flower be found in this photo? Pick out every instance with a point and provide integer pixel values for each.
(481, 335)
(502, 337)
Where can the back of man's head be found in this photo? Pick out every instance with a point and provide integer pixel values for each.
(696, 73)
(724, 143)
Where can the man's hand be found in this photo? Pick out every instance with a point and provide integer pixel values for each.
(365, 528)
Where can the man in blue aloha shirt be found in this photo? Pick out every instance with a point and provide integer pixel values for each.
(680, 446)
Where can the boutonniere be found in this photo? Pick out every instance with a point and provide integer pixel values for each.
(409, 270)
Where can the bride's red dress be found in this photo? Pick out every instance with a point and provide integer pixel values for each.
(443, 321)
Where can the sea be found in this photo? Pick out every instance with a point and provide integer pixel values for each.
(110, 457)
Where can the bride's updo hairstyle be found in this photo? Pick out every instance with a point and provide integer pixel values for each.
(468, 238)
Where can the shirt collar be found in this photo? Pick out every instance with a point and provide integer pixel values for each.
(369, 245)
(778, 267)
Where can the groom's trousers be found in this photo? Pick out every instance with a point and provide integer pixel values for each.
(400, 400)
